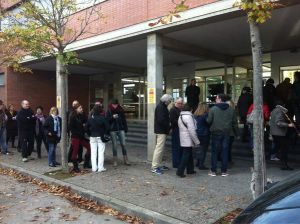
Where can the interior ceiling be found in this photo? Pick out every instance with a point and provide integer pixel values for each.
(230, 37)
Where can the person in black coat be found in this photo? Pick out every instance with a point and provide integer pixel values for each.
(26, 125)
(77, 128)
(80, 151)
(97, 127)
(118, 127)
(174, 115)
(269, 93)
(244, 102)
(161, 130)
(11, 125)
(52, 131)
(192, 93)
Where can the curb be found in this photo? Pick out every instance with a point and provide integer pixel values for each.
(122, 206)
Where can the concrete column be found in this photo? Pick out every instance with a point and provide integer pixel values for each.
(154, 88)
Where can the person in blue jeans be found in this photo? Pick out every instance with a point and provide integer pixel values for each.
(222, 119)
(203, 134)
(52, 127)
(176, 148)
(118, 127)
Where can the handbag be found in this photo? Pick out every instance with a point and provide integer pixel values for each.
(105, 138)
(250, 117)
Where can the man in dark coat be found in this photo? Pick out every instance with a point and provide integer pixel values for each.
(118, 127)
(192, 93)
(283, 90)
(174, 115)
(161, 130)
(269, 93)
(26, 124)
(244, 102)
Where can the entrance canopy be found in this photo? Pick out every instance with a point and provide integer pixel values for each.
(226, 40)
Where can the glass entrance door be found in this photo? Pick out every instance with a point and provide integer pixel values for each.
(134, 97)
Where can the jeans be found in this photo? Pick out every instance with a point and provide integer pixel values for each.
(97, 148)
(159, 150)
(27, 144)
(202, 149)
(76, 142)
(39, 139)
(187, 161)
(219, 144)
(52, 153)
(231, 140)
(115, 135)
(176, 148)
(3, 144)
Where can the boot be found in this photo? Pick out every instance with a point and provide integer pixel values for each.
(75, 167)
(126, 162)
(115, 161)
(87, 164)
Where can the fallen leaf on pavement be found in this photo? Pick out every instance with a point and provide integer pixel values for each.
(163, 193)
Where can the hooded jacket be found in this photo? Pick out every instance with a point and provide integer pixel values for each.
(222, 119)
(278, 122)
(116, 124)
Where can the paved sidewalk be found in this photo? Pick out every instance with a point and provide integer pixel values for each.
(195, 199)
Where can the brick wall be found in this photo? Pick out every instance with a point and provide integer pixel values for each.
(40, 89)
(123, 13)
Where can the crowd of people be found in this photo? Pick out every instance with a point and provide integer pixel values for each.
(85, 131)
(194, 127)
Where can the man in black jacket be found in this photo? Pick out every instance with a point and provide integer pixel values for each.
(161, 129)
(26, 124)
(118, 127)
(192, 93)
(174, 115)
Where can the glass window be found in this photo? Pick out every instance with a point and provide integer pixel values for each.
(2, 79)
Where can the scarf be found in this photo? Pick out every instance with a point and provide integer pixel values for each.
(40, 118)
(56, 125)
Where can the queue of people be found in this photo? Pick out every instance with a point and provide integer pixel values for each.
(90, 132)
(194, 127)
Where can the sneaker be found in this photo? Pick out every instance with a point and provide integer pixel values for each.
(25, 160)
(224, 174)
(103, 170)
(274, 158)
(164, 168)
(157, 171)
(212, 174)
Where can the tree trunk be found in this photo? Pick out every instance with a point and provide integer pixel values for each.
(259, 172)
(61, 91)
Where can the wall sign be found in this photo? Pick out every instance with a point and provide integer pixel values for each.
(58, 101)
(151, 96)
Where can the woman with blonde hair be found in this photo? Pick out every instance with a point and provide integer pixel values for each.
(52, 127)
(203, 134)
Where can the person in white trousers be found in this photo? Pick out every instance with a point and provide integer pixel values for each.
(97, 127)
